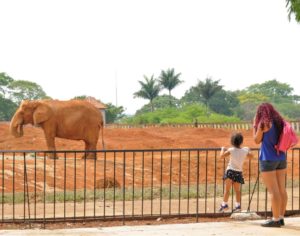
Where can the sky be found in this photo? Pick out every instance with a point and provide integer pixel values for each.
(102, 48)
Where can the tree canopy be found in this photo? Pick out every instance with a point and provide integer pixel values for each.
(12, 92)
(207, 89)
(25, 90)
(293, 7)
(169, 80)
(149, 89)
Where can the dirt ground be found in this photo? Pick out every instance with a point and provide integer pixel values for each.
(124, 139)
(133, 138)
(183, 164)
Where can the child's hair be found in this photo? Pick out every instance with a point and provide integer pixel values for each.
(237, 139)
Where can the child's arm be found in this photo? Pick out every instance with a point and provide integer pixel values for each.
(224, 152)
(250, 154)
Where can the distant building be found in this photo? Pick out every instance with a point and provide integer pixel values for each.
(99, 105)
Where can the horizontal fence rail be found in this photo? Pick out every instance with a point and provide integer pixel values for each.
(128, 184)
(228, 125)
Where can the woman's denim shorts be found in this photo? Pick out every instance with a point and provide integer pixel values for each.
(272, 165)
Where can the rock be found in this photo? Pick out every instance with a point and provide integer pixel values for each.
(244, 215)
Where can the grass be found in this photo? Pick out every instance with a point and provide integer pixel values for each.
(130, 194)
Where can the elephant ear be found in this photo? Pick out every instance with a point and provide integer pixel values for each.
(41, 114)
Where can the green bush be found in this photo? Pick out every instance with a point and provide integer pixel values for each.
(186, 114)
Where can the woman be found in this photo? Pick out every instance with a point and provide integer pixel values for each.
(268, 125)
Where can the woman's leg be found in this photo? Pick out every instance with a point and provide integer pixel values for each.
(282, 190)
(270, 180)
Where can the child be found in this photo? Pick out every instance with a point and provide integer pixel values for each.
(233, 174)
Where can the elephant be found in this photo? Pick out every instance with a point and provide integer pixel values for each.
(73, 119)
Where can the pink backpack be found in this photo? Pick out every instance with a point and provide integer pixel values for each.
(287, 139)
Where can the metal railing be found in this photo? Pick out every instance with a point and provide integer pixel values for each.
(128, 184)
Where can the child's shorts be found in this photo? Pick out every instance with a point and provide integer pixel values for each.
(235, 176)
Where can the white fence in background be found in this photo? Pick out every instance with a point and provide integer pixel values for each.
(232, 126)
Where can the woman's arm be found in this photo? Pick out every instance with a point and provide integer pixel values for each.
(258, 133)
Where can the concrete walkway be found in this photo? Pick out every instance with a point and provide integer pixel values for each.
(208, 228)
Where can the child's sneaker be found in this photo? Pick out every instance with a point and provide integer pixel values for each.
(237, 209)
(223, 207)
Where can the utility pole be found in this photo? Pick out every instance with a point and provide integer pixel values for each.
(116, 81)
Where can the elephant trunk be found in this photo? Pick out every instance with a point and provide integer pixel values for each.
(16, 126)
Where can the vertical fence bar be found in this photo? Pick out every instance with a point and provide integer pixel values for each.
(2, 202)
(198, 176)
(95, 179)
(35, 170)
(188, 170)
(44, 194)
(161, 180)
(114, 202)
(27, 188)
(170, 187)
(133, 180)
(143, 183)
(84, 186)
(215, 184)
(14, 160)
(54, 187)
(24, 187)
(258, 187)
(292, 179)
(124, 182)
(65, 184)
(152, 182)
(249, 185)
(75, 177)
(224, 168)
(179, 189)
(104, 187)
(299, 179)
(206, 165)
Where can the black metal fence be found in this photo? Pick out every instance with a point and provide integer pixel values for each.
(128, 184)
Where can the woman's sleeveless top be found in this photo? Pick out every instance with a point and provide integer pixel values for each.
(267, 150)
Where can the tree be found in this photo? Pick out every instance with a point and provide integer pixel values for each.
(191, 96)
(169, 80)
(7, 109)
(207, 90)
(113, 113)
(293, 9)
(160, 102)
(250, 97)
(149, 90)
(21, 90)
(224, 102)
(5, 80)
(272, 89)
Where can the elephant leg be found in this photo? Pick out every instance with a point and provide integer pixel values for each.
(51, 147)
(89, 146)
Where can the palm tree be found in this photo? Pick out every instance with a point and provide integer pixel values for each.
(149, 90)
(207, 90)
(169, 80)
